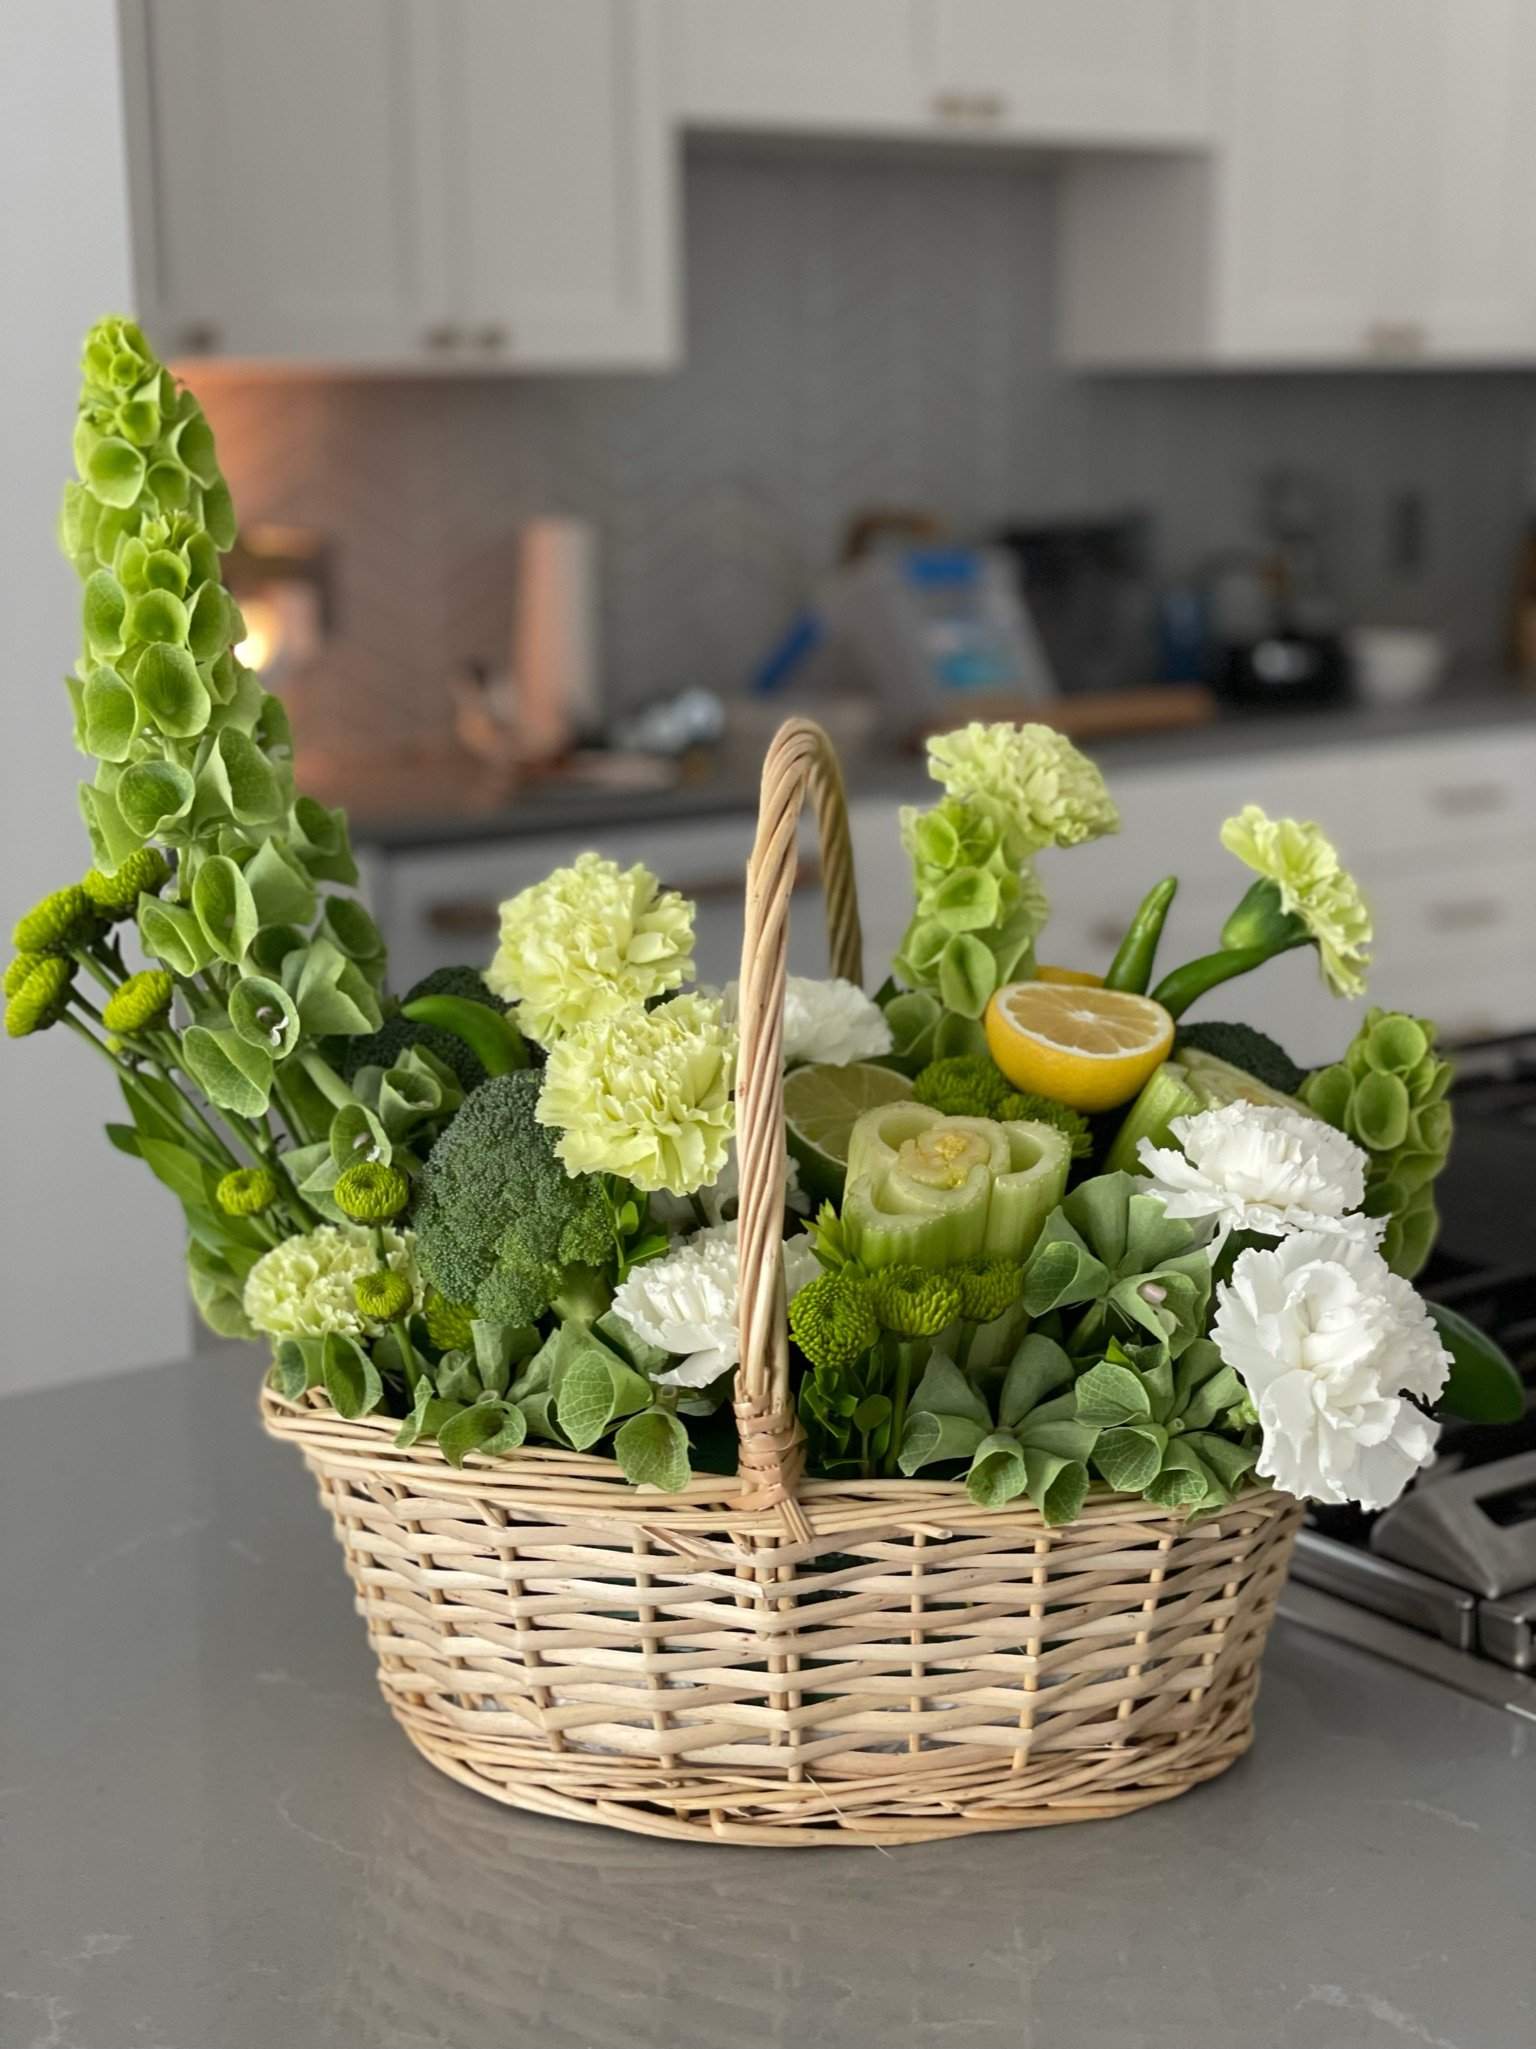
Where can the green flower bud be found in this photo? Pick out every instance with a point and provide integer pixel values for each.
(382, 1297)
(142, 1002)
(833, 1320)
(912, 1302)
(144, 873)
(247, 1191)
(40, 1000)
(62, 920)
(19, 970)
(449, 1327)
(371, 1193)
(987, 1287)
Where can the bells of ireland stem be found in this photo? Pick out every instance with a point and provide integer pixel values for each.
(930, 1191)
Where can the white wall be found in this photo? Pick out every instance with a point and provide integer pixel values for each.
(90, 1262)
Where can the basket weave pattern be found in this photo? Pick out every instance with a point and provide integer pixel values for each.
(765, 1659)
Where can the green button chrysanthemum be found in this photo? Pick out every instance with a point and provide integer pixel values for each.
(371, 1193)
(987, 1287)
(912, 1302)
(142, 1002)
(19, 970)
(40, 1000)
(450, 1327)
(382, 1297)
(65, 918)
(247, 1191)
(143, 873)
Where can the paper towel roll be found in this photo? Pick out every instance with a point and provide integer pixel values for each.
(556, 654)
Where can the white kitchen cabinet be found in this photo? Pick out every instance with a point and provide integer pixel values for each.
(1121, 71)
(447, 184)
(847, 67)
(1365, 201)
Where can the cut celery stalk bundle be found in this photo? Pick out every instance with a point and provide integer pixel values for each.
(930, 1190)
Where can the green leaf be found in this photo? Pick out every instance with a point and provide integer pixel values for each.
(1129, 1459)
(1185, 1479)
(299, 1366)
(998, 1473)
(968, 900)
(232, 1074)
(103, 608)
(652, 1450)
(169, 689)
(331, 992)
(123, 1138)
(967, 974)
(158, 615)
(500, 1346)
(111, 714)
(595, 1390)
(351, 1378)
(177, 1166)
(637, 1351)
(172, 934)
(490, 1426)
(1379, 1111)
(112, 839)
(1039, 1367)
(265, 1015)
(1061, 1271)
(284, 893)
(153, 795)
(1484, 1386)
(1108, 1395)
(1231, 1463)
(1055, 1485)
(209, 624)
(251, 786)
(929, 1438)
(114, 471)
(428, 1417)
(225, 908)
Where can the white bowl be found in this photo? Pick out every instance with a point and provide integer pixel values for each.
(1396, 664)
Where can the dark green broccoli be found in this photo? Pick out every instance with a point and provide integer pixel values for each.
(501, 1226)
(397, 1034)
(963, 1085)
(1242, 1046)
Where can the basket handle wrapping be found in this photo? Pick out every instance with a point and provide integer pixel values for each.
(800, 758)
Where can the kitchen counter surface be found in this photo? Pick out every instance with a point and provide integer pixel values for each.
(213, 1837)
(445, 799)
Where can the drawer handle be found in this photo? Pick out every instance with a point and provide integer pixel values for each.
(1465, 915)
(1396, 340)
(970, 109)
(1457, 799)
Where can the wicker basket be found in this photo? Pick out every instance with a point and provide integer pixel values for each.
(765, 1659)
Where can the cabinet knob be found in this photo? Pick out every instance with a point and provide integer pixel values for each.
(199, 338)
(494, 337)
(1396, 340)
(445, 336)
(969, 109)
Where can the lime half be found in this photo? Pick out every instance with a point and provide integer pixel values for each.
(821, 1107)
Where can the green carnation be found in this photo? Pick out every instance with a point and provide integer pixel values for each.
(247, 1191)
(1051, 794)
(987, 1287)
(833, 1320)
(141, 1003)
(450, 1327)
(382, 1297)
(19, 970)
(40, 1000)
(62, 920)
(371, 1193)
(912, 1302)
(114, 896)
(305, 1287)
(1311, 884)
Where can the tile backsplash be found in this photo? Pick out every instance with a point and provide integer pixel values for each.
(858, 333)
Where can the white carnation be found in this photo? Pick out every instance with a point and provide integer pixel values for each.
(687, 1302)
(1260, 1167)
(832, 1022)
(1329, 1343)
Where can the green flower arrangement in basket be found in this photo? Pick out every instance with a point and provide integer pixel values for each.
(1041, 1236)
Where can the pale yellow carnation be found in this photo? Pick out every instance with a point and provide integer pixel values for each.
(1050, 793)
(645, 1095)
(1303, 863)
(588, 942)
(303, 1288)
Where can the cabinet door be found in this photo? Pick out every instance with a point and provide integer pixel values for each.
(283, 201)
(1096, 70)
(562, 207)
(1310, 152)
(797, 64)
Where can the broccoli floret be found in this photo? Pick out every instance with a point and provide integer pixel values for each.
(833, 1319)
(1072, 1124)
(963, 1085)
(912, 1301)
(398, 1034)
(987, 1287)
(500, 1223)
(1253, 1051)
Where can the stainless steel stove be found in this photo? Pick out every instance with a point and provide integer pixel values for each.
(1445, 1579)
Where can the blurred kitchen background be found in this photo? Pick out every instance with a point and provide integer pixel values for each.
(600, 380)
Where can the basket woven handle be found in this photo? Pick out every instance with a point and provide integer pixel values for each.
(800, 759)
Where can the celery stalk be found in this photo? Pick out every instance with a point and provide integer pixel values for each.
(1022, 1198)
(889, 1219)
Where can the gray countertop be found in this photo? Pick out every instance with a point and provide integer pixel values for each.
(213, 1837)
(451, 806)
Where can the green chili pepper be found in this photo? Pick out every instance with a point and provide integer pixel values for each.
(1131, 967)
(1176, 992)
(494, 1039)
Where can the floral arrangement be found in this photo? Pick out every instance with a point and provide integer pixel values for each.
(1042, 1233)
